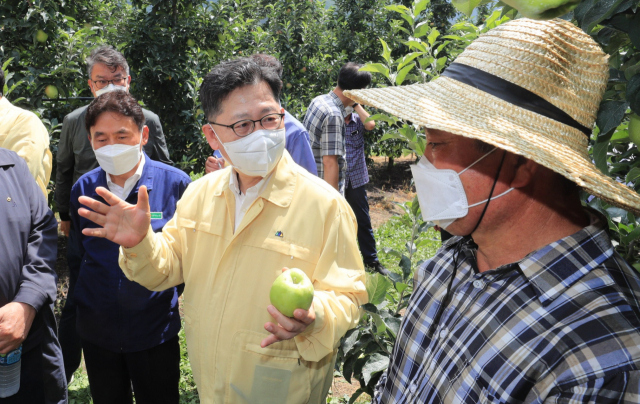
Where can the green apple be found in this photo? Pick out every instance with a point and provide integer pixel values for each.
(41, 36)
(291, 290)
(634, 129)
(51, 91)
(191, 42)
(543, 9)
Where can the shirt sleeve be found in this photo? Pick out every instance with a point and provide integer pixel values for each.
(332, 141)
(64, 169)
(30, 139)
(38, 279)
(339, 281)
(157, 146)
(619, 388)
(299, 147)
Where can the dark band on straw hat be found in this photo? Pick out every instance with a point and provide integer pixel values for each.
(511, 93)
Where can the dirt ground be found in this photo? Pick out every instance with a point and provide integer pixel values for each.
(386, 186)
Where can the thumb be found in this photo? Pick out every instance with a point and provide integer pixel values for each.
(143, 199)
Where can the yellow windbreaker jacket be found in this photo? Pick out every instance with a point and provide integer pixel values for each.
(22, 132)
(298, 221)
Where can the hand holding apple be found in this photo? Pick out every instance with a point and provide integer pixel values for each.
(289, 327)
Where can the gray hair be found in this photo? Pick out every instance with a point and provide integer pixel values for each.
(107, 55)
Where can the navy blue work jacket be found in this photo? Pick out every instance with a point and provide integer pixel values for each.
(113, 312)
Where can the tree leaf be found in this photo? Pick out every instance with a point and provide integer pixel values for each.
(600, 149)
(633, 175)
(377, 286)
(634, 31)
(405, 264)
(466, 6)
(433, 35)
(350, 341)
(420, 6)
(403, 73)
(381, 328)
(386, 52)
(393, 325)
(633, 93)
(591, 12)
(421, 29)
(376, 68)
(355, 395)
(610, 115)
(375, 363)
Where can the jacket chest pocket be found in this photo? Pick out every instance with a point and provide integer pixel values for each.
(198, 240)
(272, 375)
(292, 255)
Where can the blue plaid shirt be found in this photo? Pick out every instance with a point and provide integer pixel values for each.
(560, 326)
(325, 122)
(357, 174)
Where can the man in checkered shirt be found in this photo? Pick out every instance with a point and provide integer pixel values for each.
(530, 303)
(325, 122)
(357, 177)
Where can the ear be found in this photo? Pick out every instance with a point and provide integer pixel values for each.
(525, 171)
(145, 135)
(211, 137)
(128, 82)
(91, 87)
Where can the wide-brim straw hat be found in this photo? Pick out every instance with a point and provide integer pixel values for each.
(552, 65)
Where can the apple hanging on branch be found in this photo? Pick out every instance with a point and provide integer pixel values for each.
(291, 290)
(51, 91)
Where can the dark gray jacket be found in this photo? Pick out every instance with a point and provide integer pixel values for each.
(28, 247)
(75, 156)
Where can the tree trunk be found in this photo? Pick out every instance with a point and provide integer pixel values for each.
(390, 164)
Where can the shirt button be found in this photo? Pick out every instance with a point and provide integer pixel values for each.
(9, 199)
(444, 333)
(478, 284)
(133, 255)
(412, 388)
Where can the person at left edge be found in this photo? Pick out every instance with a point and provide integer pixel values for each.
(128, 333)
(28, 247)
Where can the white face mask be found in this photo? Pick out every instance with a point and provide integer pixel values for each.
(348, 111)
(109, 88)
(441, 193)
(118, 159)
(256, 154)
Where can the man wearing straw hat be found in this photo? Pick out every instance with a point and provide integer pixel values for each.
(530, 303)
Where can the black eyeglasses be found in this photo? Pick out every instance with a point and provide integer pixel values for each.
(116, 82)
(245, 127)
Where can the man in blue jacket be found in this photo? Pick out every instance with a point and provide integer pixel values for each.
(129, 334)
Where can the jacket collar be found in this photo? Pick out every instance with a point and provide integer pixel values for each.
(145, 179)
(336, 100)
(280, 187)
(4, 103)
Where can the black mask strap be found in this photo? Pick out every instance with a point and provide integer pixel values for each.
(495, 181)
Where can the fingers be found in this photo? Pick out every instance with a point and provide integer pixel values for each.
(277, 334)
(285, 269)
(98, 232)
(143, 199)
(306, 317)
(94, 205)
(108, 196)
(268, 341)
(96, 218)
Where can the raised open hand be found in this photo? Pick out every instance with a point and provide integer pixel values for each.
(121, 222)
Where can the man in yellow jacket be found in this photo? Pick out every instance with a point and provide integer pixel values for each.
(232, 234)
(22, 132)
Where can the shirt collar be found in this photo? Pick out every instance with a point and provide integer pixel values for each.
(146, 176)
(336, 100)
(5, 158)
(234, 186)
(557, 266)
(279, 187)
